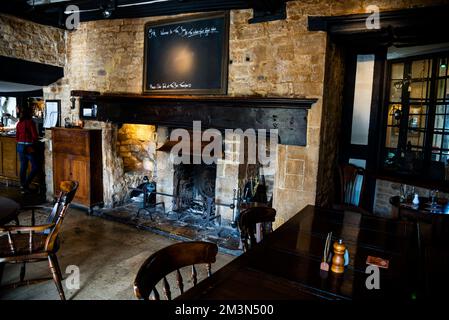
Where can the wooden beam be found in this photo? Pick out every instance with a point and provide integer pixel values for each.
(400, 28)
(289, 116)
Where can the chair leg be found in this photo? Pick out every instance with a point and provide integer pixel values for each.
(22, 271)
(56, 272)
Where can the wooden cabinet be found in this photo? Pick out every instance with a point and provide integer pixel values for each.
(77, 155)
(9, 159)
(10, 163)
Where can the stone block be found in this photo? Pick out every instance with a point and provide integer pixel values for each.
(295, 167)
(294, 182)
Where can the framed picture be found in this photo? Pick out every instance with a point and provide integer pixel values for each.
(88, 110)
(187, 56)
(52, 114)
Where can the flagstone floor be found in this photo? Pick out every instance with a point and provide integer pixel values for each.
(107, 253)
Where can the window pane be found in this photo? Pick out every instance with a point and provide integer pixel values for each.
(435, 156)
(445, 157)
(439, 122)
(394, 119)
(394, 115)
(396, 91)
(397, 71)
(418, 90)
(417, 117)
(415, 138)
(442, 62)
(442, 89)
(445, 142)
(362, 99)
(437, 139)
(392, 137)
(420, 69)
(441, 109)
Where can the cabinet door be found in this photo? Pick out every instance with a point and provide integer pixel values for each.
(80, 172)
(61, 170)
(10, 158)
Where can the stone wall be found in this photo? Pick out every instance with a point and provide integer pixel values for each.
(278, 58)
(31, 41)
(136, 145)
(330, 125)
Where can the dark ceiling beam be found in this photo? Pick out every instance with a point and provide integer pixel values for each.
(417, 26)
(28, 72)
(268, 10)
(52, 14)
(167, 8)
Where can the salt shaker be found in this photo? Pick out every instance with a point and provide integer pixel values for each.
(416, 200)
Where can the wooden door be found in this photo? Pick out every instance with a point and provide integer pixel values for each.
(61, 170)
(69, 167)
(80, 172)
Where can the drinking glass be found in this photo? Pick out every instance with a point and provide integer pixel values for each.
(433, 198)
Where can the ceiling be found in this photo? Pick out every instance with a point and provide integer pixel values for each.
(54, 12)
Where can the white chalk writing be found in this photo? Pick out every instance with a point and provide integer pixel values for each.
(182, 31)
(172, 85)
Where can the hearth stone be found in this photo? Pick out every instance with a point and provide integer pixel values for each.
(186, 227)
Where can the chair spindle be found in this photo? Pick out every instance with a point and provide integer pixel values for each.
(11, 243)
(167, 291)
(156, 295)
(179, 281)
(194, 274)
(209, 269)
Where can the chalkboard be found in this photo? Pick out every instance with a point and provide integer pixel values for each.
(187, 56)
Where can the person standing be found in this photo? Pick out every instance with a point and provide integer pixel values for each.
(27, 137)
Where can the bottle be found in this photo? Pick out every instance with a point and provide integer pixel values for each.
(338, 260)
(416, 201)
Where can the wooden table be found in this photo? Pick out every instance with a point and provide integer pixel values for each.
(8, 210)
(286, 264)
(424, 212)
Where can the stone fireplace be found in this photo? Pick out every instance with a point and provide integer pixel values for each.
(137, 129)
(196, 185)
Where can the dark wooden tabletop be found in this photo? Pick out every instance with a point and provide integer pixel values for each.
(8, 210)
(286, 264)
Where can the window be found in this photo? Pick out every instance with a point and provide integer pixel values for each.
(417, 123)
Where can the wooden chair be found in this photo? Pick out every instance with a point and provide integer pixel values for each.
(352, 188)
(169, 259)
(248, 224)
(23, 244)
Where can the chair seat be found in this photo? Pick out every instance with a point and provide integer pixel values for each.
(21, 243)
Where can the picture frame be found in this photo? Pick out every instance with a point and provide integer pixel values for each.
(52, 114)
(88, 110)
(188, 55)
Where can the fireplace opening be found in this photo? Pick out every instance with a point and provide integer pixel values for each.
(194, 188)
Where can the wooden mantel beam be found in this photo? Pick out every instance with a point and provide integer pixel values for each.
(287, 115)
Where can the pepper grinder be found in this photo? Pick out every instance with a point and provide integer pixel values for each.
(338, 260)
